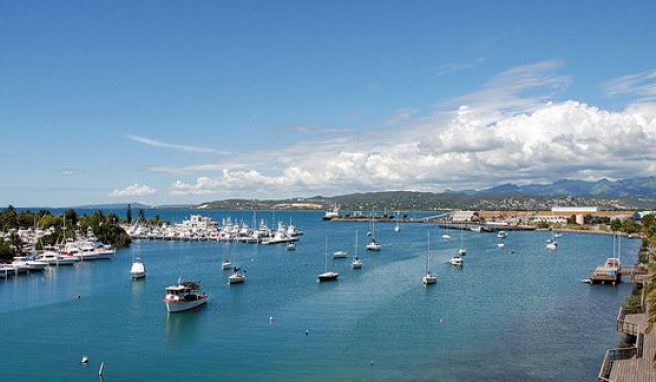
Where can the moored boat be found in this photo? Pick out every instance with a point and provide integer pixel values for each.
(183, 296)
(138, 269)
(238, 276)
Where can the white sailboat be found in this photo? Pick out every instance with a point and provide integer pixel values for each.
(373, 245)
(462, 251)
(357, 262)
(429, 277)
(327, 275)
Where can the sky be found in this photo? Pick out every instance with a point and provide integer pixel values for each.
(183, 102)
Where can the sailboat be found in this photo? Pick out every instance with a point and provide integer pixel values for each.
(357, 262)
(429, 277)
(446, 234)
(238, 275)
(462, 251)
(327, 275)
(397, 227)
(373, 245)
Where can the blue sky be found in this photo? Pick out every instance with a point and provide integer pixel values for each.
(167, 102)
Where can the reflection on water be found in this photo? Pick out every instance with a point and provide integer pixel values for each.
(183, 326)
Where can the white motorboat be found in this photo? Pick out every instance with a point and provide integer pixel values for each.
(291, 246)
(27, 264)
(501, 245)
(446, 236)
(138, 269)
(54, 258)
(552, 246)
(332, 213)
(339, 255)
(462, 251)
(238, 276)
(226, 265)
(183, 296)
(457, 261)
(429, 277)
(502, 234)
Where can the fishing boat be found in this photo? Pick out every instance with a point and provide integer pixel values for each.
(332, 213)
(429, 277)
(327, 275)
(138, 269)
(183, 296)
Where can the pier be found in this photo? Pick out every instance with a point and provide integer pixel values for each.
(632, 363)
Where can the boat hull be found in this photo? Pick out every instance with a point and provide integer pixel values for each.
(328, 276)
(181, 306)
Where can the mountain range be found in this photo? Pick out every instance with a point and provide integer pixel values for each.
(630, 193)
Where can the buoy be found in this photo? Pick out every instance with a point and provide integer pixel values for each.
(307, 332)
(101, 369)
(85, 359)
(78, 296)
(270, 319)
(371, 363)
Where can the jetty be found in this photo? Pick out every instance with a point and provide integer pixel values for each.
(633, 362)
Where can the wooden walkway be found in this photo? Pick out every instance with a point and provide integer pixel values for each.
(635, 363)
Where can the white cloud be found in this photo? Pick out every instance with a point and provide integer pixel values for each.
(156, 143)
(135, 189)
(641, 85)
(495, 135)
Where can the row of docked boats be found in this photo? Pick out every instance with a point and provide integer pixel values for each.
(200, 228)
(69, 253)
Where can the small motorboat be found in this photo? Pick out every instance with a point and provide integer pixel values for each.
(291, 246)
(339, 255)
(138, 269)
(457, 261)
(226, 265)
(356, 263)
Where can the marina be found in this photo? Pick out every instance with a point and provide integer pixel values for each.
(486, 312)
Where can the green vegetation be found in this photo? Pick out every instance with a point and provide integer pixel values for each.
(105, 227)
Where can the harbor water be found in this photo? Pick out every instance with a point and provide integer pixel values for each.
(518, 313)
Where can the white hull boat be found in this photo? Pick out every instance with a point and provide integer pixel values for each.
(138, 269)
(184, 296)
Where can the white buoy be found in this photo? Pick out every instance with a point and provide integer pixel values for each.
(85, 359)
(270, 319)
(307, 332)
(101, 369)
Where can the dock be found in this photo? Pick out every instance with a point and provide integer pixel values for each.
(632, 363)
(611, 272)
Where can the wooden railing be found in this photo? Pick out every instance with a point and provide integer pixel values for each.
(624, 327)
(611, 356)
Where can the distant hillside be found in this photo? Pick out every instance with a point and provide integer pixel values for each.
(633, 187)
(634, 193)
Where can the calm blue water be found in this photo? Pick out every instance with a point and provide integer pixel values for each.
(507, 317)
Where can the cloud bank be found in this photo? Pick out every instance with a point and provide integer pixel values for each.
(510, 130)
